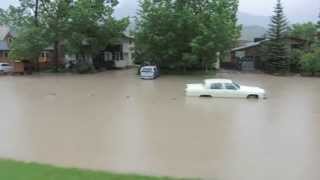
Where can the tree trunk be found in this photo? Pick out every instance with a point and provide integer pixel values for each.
(184, 68)
(83, 58)
(36, 12)
(56, 55)
(37, 65)
(206, 67)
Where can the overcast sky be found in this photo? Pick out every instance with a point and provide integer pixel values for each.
(296, 10)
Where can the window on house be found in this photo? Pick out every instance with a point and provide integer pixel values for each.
(117, 56)
(108, 56)
(125, 56)
(114, 56)
(6, 54)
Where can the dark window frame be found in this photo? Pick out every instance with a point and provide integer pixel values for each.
(6, 54)
(228, 85)
(213, 86)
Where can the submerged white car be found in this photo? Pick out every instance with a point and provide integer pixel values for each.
(224, 88)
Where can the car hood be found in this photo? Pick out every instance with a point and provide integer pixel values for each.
(252, 89)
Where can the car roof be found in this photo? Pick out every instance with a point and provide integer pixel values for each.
(210, 81)
(149, 67)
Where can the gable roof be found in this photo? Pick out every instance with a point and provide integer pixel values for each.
(248, 45)
(4, 31)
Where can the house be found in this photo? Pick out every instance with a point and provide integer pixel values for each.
(121, 52)
(6, 37)
(118, 54)
(252, 52)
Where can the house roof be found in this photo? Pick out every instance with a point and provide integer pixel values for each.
(4, 46)
(247, 46)
(126, 34)
(255, 44)
(4, 30)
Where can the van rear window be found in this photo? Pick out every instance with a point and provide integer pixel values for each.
(147, 70)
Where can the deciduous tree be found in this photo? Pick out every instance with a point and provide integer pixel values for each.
(185, 34)
(306, 31)
(82, 26)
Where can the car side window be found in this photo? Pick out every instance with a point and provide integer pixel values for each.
(216, 86)
(230, 86)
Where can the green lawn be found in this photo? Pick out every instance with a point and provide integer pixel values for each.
(13, 170)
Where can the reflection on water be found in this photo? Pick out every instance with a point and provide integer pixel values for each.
(115, 121)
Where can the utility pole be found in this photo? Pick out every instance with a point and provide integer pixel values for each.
(36, 12)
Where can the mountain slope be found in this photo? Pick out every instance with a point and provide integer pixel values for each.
(253, 20)
(250, 32)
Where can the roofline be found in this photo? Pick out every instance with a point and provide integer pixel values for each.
(126, 36)
(253, 45)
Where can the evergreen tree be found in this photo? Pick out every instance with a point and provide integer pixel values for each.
(277, 59)
(319, 21)
(318, 31)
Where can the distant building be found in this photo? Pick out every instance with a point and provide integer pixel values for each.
(5, 39)
(120, 54)
(249, 56)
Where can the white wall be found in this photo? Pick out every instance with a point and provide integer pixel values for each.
(128, 45)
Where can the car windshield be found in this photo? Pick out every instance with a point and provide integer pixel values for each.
(3, 65)
(236, 85)
(146, 70)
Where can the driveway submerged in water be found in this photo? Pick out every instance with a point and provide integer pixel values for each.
(114, 121)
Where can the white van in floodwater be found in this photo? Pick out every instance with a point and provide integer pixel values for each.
(149, 72)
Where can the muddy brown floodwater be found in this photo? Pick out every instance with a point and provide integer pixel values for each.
(116, 122)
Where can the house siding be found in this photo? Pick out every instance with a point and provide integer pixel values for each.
(127, 49)
(4, 56)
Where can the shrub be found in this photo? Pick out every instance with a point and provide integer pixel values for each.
(310, 62)
(84, 68)
(295, 59)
